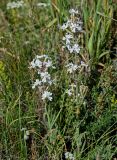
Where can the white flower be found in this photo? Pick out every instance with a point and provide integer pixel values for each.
(47, 95)
(32, 64)
(12, 5)
(73, 11)
(69, 92)
(71, 67)
(36, 83)
(67, 38)
(64, 26)
(45, 77)
(76, 48)
(69, 48)
(36, 63)
(72, 49)
(48, 64)
(75, 26)
(43, 4)
(69, 156)
(78, 27)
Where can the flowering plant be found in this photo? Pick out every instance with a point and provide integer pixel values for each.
(41, 65)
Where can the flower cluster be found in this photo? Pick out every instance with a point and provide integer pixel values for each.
(72, 47)
(69, 156)
(71, 68)
(18, 4)
(74, 25)
(72, 33)
(42, 64)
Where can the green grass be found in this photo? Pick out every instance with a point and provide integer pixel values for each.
(85, 125)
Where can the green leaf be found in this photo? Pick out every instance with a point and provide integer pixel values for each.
(90, 44)
(52, 23)
(103, 54)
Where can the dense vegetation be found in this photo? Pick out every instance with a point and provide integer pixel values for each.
(79, 121)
